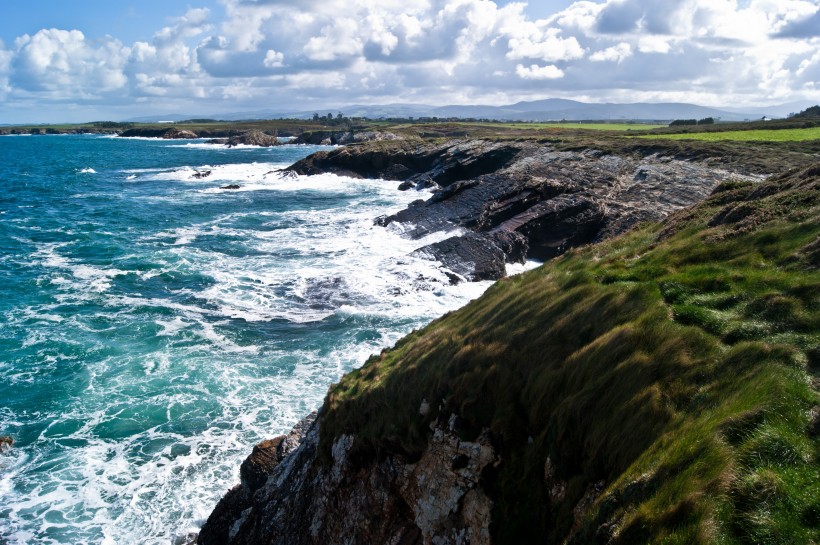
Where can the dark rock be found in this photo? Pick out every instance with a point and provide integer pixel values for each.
(353, 498)
(222, 141)
(166, 132)
(257, 467)
(404, 186)
(199, 174)
(253, 138)
(6, 443)
(551, 200)
(343, 137)
(552, 227)
(176, 134)
(230, 186)
(411, 161)
(224, 523)
(470, 256)
(514, 245)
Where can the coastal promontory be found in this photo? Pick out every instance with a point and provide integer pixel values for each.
(655, 381)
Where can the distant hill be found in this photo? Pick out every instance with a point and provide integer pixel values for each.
(552, 109)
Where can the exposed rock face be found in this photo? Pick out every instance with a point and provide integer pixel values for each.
(174, 134)
(288, 495)
(167, 133)
(520, 199)
(343, 137)
(253, 138)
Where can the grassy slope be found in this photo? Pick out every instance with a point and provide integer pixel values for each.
(669, 369)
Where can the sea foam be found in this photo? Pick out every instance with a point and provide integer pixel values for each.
(163, 326)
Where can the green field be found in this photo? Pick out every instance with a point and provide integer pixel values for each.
(762, 135)
(587, 126)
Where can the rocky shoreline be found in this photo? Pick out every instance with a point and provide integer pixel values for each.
(505, 202)
(520, 200)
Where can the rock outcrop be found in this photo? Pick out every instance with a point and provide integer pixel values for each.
(287, 495)
(339, 138)
(520, 199)
(253, 138)
(169, 133)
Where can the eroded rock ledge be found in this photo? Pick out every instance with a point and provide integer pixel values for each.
(519, 200)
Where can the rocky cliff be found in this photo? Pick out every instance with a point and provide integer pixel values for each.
(520, 200)
(285, 497)
(227, 136)
(657, 387)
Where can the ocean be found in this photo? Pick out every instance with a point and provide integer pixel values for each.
(154, 326)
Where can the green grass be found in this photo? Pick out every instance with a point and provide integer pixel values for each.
(585, 126)
(671, 366)
(757, 135)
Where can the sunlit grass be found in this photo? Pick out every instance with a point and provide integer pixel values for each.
(780, 135)
(586, 126)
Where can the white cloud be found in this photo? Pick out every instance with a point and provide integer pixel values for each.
(341, 51)
(273, 59)
(549, 48)
(64, 63)
(616, 53)
(534, 71)
(654, 44)
(337, 40)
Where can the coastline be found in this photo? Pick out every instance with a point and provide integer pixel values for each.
(345, 481)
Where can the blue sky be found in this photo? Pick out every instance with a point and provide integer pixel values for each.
(128, 21)
(132, 21)
(75, 61)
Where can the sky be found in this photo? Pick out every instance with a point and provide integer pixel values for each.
(102, 60)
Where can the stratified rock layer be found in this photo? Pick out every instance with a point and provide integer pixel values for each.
(520, 199)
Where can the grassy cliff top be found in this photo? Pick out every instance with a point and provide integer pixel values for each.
(660, 387)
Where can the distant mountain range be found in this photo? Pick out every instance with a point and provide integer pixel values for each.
(551, 109)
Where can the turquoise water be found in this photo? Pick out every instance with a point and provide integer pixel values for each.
(153, 326)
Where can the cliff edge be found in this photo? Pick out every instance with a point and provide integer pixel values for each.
(660, 386)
